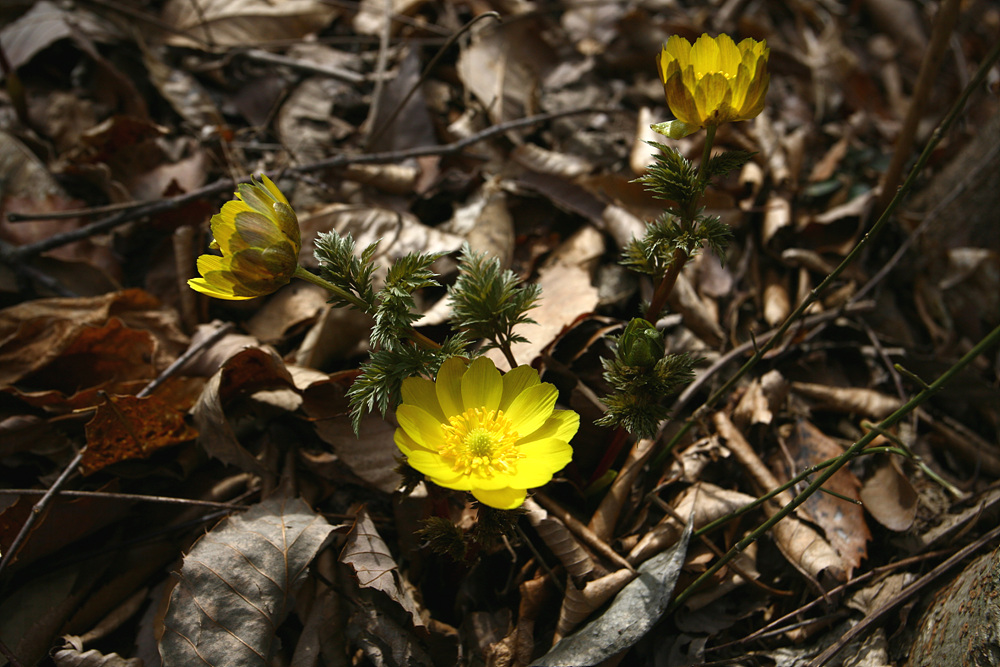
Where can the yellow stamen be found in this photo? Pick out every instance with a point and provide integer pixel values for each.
(481, 442)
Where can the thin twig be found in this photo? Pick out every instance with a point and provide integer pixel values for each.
(901, 193)
(126, 496)
(903, 596)
(16, 255)
(427, 71)
(851, 452)
(70, 469)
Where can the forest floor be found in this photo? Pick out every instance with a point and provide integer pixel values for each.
(519, 128)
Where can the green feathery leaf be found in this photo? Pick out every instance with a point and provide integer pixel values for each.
(339, 265)
(723, 163)
(488, 303)
(394, 313)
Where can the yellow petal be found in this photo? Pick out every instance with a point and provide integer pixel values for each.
(729, 55)
(544, 459)
(502, 499)
(201, 285)
(449, 386)
(532, 407)
(421, 426)
(406, 444)
(516, 381)
(481, 385)
(562, 425)
(438, 470)
(257, 230)
(705, 55)
(273, 189)
(420, 392)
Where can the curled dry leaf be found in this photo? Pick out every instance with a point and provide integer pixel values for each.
(249, 371)
(889, 496)
(545, 161)
(578, 603)
(842, 522)
(72, 655)
(804, 548)
(850, 399)
(374, 566)
(753, 407)
(563, 544)
(236, 585)
(703, 502)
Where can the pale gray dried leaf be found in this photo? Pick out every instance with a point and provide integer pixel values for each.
(236, 585)
(375, 567)
(73, 655)
(634, 611)
(46, 23)
(241, 22)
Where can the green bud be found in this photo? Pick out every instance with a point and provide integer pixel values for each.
(640, 344)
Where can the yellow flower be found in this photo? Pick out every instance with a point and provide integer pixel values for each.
(475, 430)
(713, 82)
(258, 235)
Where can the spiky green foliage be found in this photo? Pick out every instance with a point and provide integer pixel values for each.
(378, 385)
(653, 253)
(339, 265)
(488, 302)
(672, 177)
(394, 313)
(443, 537)
(635, 402)
(724, 162)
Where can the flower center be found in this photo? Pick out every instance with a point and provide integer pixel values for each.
(481, 442)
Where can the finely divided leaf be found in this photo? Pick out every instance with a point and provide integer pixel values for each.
(236, 585)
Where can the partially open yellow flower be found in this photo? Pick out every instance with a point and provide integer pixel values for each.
(713, 82)
(475, 430)
(258, 235)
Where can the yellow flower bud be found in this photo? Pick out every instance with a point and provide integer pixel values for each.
(258, 235)
(713, 82)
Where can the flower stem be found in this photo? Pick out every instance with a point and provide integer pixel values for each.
(680, 258)
(310, 277)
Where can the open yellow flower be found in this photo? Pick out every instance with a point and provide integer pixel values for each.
(258, 235)
(713, 82)
(477, 430)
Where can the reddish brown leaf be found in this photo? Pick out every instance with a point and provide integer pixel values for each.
(127, 427)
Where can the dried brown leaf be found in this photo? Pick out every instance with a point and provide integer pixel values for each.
(374, 566)
(850, 399)
(220, 23)
(249, 371)
(71, 654)
(561, 542)
(703, 502)
(578, 603)
(842, 522)
(804, 548)
(237, 585)
(127, 427)
(890, 497)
